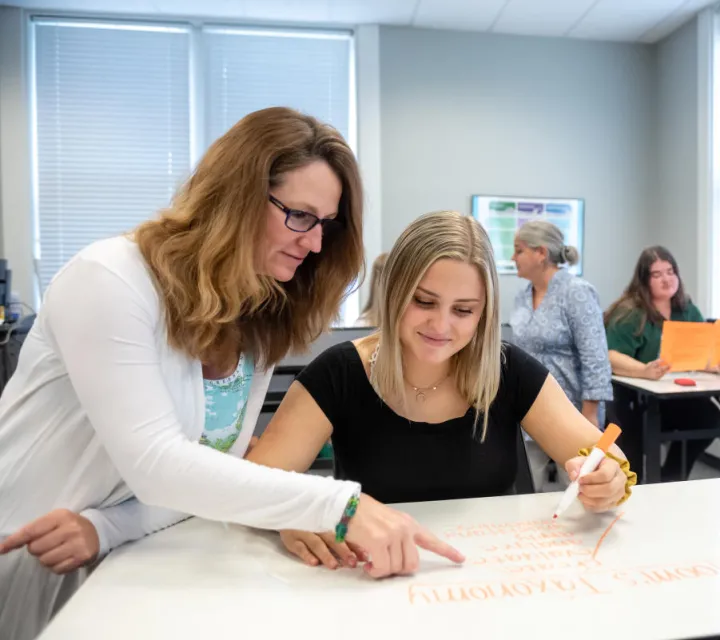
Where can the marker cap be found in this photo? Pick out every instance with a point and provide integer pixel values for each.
(608, 437)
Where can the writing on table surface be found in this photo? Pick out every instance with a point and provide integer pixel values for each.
(546, 558)
(592, 583)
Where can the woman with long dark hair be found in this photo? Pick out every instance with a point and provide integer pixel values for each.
(634, 328)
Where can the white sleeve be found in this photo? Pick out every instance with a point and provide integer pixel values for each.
(105, 334)
(131, 520)
(128, 521)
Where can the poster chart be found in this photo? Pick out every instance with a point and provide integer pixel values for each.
(502, 216)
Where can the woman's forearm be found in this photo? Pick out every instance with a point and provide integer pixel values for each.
(590, 411)
(623, 365)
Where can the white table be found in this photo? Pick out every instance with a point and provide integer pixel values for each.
(652, 393)
(654, 573)
(706, 383)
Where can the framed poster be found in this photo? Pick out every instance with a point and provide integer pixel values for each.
(502, 216)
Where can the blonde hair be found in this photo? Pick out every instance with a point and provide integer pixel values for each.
(476, 368)
(203, 252)
(540, 233)
(371, 311)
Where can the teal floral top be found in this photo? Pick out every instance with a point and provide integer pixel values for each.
(225, 406)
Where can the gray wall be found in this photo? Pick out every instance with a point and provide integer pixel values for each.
(676, 211)
(2, 245)
(465, 113)
(15, 157)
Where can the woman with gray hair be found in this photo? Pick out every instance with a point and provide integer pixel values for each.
(557, 318)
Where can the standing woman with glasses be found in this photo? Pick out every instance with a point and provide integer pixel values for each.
(151, 357)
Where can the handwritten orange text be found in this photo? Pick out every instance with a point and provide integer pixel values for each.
(590, 584)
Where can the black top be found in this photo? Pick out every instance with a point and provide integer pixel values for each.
(397, 460)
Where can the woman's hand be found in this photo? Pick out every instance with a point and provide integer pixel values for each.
(61, 540)
(655, 370)
(390, 538)
(314, 549)
(601, 489)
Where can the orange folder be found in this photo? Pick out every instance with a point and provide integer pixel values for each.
(715, 362)
(689, 346)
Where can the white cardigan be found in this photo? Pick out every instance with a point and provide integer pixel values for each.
(101, 409)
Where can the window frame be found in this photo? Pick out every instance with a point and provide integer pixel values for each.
(198, 124)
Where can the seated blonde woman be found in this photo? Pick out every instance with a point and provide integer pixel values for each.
(429, 407)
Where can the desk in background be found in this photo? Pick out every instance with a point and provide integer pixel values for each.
(653, 573)
(12, 337)
(285, 371)
(652, 393)
(291, 366)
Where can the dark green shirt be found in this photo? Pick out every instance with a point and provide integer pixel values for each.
(623, 336)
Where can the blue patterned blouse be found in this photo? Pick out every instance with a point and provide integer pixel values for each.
(566, 334)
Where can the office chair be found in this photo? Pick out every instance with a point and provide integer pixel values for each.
(523, 480)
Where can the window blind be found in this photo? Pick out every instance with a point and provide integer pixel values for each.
(250, 69)
(112, 130)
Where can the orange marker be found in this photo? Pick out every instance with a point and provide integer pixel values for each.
(591, 463)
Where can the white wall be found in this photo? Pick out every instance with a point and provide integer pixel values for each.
(15, 162)
(367, 55)
(2, 247)
(467, 114)
(676, 204)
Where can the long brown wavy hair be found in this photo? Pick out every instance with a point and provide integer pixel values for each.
(637, 296)
(202, 250)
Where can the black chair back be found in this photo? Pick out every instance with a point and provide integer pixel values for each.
(523, 480)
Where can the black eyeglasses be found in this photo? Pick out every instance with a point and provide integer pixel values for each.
(303, 221)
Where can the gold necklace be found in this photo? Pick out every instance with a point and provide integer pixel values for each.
(420, 391)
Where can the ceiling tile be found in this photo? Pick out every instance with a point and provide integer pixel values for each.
(630, 20)
(623, 20)
(136, 7)
(546, 18)
(219, 9)
(674, 20)
(458, 14)
(279, 10)
(373, 11)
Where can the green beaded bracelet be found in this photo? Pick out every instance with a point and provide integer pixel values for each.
(342, 526)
